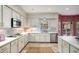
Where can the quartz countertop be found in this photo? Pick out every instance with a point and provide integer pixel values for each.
(10, 39)
(71, 40)
(37, 30)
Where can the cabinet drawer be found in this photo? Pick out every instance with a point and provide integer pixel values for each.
(73, 49)
(5, 49)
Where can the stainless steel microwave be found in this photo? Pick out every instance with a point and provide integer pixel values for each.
(15, 23)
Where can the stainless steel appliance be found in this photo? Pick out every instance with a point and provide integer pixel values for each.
(15, 22)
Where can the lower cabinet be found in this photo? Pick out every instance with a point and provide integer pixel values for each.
(73, 49)
(65, 47)
(5, 48)
(44, 37)
(32, 37)
(25, 39)
(20, 43)
(39, 37)
(60, 41)
(14, 46)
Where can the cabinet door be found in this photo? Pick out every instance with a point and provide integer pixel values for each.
(15, 15)
(20, 43)
(77, 28)
(23, 20)
(0, 17)
(5, 49)
(7, 15)
(46, 37)
(65, 47)
(67, 28)
(32, 37)
(36, 38)
(14, 48)
(60, 45)
(73, 49)
(25, 39)
(43, 37)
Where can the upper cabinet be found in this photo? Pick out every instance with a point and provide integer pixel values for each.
(1, 23)
(23, 21)
(0, 16)
(7, 15)
(15, 15)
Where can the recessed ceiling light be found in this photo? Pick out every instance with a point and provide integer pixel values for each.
(32, 8)
(67, 9)
(49, 9)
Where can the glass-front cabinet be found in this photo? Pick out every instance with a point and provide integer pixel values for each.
(66, 28)
(77, 28)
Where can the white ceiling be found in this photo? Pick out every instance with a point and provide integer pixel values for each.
(61, 9)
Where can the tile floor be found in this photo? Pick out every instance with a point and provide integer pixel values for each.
(41, 48)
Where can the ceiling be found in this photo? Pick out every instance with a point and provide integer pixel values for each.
(61, 9)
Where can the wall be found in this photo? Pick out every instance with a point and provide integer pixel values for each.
(73, 19)
(34, 19)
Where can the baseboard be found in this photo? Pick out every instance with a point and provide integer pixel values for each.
(42, 42)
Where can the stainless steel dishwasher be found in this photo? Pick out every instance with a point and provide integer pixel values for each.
(53, 37)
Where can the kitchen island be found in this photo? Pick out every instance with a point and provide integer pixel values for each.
(68, 44)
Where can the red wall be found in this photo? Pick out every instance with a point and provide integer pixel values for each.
(71, 18)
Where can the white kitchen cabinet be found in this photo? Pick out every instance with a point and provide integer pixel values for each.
(60, 41)
(14, 46)
(44, 37)
(15, 15)
(0, 16)
(32, 37)
(39, 37)
(5, 48)
(73, 49)
(20, 43)
(65, 47)
(25, 39)
(7, 15)
(23, 21)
